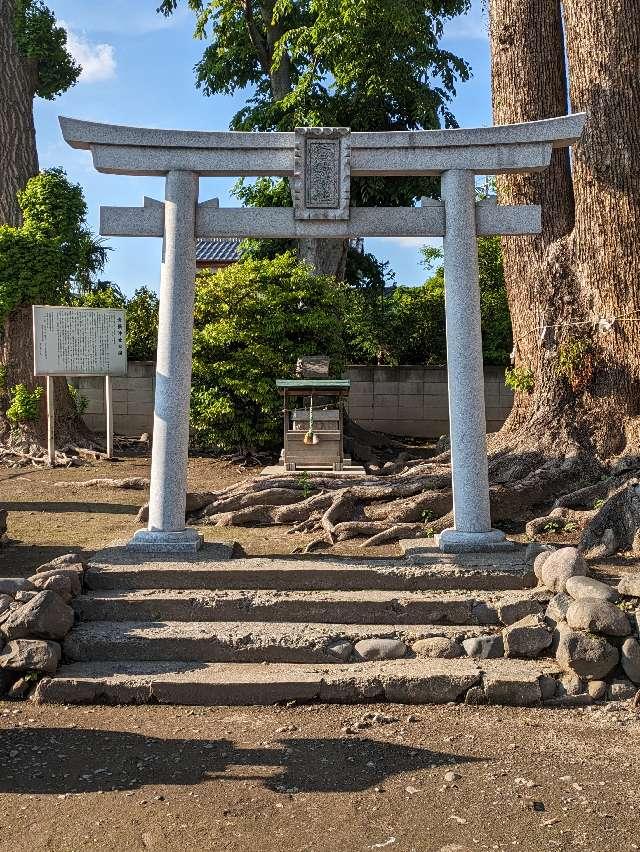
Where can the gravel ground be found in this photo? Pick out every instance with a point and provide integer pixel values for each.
(289, 779)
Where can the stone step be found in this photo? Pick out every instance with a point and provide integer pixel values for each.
(117, 568)
(410, 681)
(342, 607)
(237, 642)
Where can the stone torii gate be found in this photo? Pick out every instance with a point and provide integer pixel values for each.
(320, 162)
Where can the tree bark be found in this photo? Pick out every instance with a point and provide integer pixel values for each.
(18, 80)
(581, 268)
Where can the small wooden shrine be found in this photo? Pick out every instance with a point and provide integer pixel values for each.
(313, 417)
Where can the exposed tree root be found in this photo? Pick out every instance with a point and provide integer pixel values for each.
(134, 483)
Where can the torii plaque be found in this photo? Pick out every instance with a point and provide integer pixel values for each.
(321, 162)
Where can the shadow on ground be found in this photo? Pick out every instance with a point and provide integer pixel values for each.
(67, 760)
(79, 506)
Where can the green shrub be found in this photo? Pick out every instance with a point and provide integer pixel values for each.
(519, 379)
(25, 404)
(253, 321)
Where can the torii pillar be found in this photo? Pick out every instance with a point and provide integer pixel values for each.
(320, 162)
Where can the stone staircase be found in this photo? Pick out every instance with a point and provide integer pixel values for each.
(216, 630)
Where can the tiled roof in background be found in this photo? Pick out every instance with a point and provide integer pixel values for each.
(217, 250)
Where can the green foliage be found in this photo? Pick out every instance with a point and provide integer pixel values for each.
(369, 66)
(252, 322)
(408, 324)
(53, 250)
(80, 402)
(519, 379)
(40, 39)
(25, 404)
(573, 355)
(142, 325)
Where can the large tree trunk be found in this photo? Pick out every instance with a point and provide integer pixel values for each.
(584, 265)
(18, 79)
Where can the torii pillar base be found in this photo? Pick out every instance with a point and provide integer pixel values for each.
(159, 541)
(455, 541)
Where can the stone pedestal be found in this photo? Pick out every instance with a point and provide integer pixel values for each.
(167, 500)
(469, 468)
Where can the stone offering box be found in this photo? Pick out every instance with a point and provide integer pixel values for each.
(313, 433)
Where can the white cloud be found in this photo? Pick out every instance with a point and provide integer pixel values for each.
(98, 61)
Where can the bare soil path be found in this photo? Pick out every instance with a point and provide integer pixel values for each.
(288, 779)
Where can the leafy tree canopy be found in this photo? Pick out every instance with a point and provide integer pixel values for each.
(374, 65)
(40, 39)
(53, 251)
(408, 325)
(253, 320)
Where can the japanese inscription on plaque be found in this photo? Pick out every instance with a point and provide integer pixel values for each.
(321, 173)
(79, 341)
(322, 178)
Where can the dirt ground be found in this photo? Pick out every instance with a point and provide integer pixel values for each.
(46, 520)
(288, 779)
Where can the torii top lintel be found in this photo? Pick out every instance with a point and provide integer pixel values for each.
(320, 162)
(502, 149)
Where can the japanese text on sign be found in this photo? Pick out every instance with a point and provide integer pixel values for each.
(79, 341)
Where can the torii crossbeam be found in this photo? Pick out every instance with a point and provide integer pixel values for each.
(320, 162)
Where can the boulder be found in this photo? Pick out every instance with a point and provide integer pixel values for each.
(341, 650)
(630, 659)
(438, 646)
(590, 657)
(484, 647)
(539, 561)
(47, 616)
(66, 560)
(5, 602)
(11, 585)
(598, 616)
(31, 655)
(558, 606)
(73, 576)
(560, 565)
(23, 597)
(570, 684)
(629, 586)
(64, 585)
(380, 649)
(597, 689)
(621, 689)
(586, 587)
(527, 637)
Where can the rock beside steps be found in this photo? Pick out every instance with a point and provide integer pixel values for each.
(259, 631)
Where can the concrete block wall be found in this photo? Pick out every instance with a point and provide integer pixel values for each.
(413, 401)
(132, 399)
(405, 401)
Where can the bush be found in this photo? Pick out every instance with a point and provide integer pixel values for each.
(25, 404)
(253, 321)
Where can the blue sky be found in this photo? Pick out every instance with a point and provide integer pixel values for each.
(138, 69)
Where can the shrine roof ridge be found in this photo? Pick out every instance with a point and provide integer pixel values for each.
(559, 132)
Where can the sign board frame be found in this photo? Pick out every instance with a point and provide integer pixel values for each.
(109, 324)
(116, 330)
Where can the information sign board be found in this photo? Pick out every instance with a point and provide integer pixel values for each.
(79, 341)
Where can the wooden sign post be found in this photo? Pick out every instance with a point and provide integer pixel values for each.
(79, 342)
